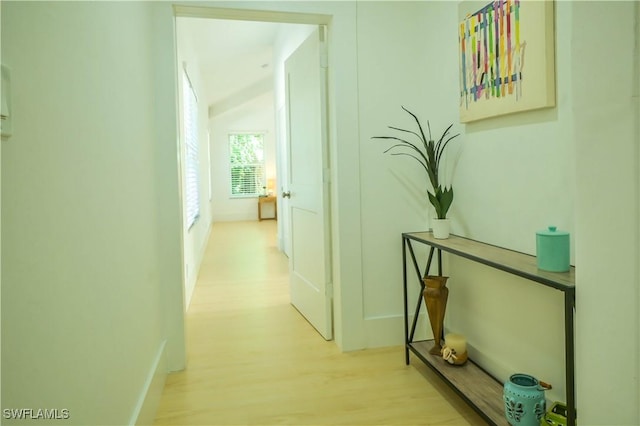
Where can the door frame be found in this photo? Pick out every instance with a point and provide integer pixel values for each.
(348, 309)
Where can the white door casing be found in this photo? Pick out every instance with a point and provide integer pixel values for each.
(308, 182)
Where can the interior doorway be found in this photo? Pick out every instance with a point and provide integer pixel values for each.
(262, 90)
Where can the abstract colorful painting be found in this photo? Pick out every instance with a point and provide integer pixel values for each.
(506, 57)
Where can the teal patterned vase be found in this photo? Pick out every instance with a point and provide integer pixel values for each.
(524, 401)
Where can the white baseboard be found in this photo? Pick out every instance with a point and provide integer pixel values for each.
(190, 285)
(145, 410)
(389, 330)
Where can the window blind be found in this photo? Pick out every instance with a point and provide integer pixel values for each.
(191, 151)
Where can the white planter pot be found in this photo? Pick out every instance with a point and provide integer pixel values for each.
(440, 228)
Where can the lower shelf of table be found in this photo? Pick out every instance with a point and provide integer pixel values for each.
(479, 389)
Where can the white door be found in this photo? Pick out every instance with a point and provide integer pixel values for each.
(308, 184)
(284, 237)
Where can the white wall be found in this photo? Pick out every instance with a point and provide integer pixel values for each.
(496, 199)
(84, 261)
(513, 176)
(169, 232)
(197, 235)
(394, 70)
(256, 115)
(606, 120)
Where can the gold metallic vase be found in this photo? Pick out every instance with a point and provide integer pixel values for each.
(435, 297)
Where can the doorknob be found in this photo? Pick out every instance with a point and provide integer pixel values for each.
(286, 194)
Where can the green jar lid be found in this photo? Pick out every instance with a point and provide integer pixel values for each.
(552, 232)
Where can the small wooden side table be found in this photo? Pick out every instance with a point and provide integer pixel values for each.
(266, 200)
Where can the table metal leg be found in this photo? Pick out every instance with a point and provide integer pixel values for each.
(569, 306)
(406, 311)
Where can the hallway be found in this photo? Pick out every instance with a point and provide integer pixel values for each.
(253, 359)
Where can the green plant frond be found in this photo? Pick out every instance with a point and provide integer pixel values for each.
(429, 158)
(446, 131)
(433, 178)
(414, 157)
(441, 200)
(395, 139)
(436, 204)
(431, 153)
(448, 140)
(445, 200)
(424, 139)
(444, 146)
(407, 131)
(404, 144)
(444, 134)
(431, 150)
(389, 137)
(432, 164)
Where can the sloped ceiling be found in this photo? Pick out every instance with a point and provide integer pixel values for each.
(234, 57)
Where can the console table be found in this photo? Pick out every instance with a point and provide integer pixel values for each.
(477, 387)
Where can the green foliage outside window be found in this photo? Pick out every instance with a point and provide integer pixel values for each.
(247, 164)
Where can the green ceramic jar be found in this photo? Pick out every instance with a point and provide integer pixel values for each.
(552, 250)
(524, 400)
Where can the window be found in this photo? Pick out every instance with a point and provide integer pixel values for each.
(246, 154)
(190, 112)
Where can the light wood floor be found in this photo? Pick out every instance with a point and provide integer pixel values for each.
(253, 359)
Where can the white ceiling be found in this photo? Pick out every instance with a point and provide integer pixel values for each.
(232, 55)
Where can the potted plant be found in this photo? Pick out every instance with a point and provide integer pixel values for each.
(428, 153)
